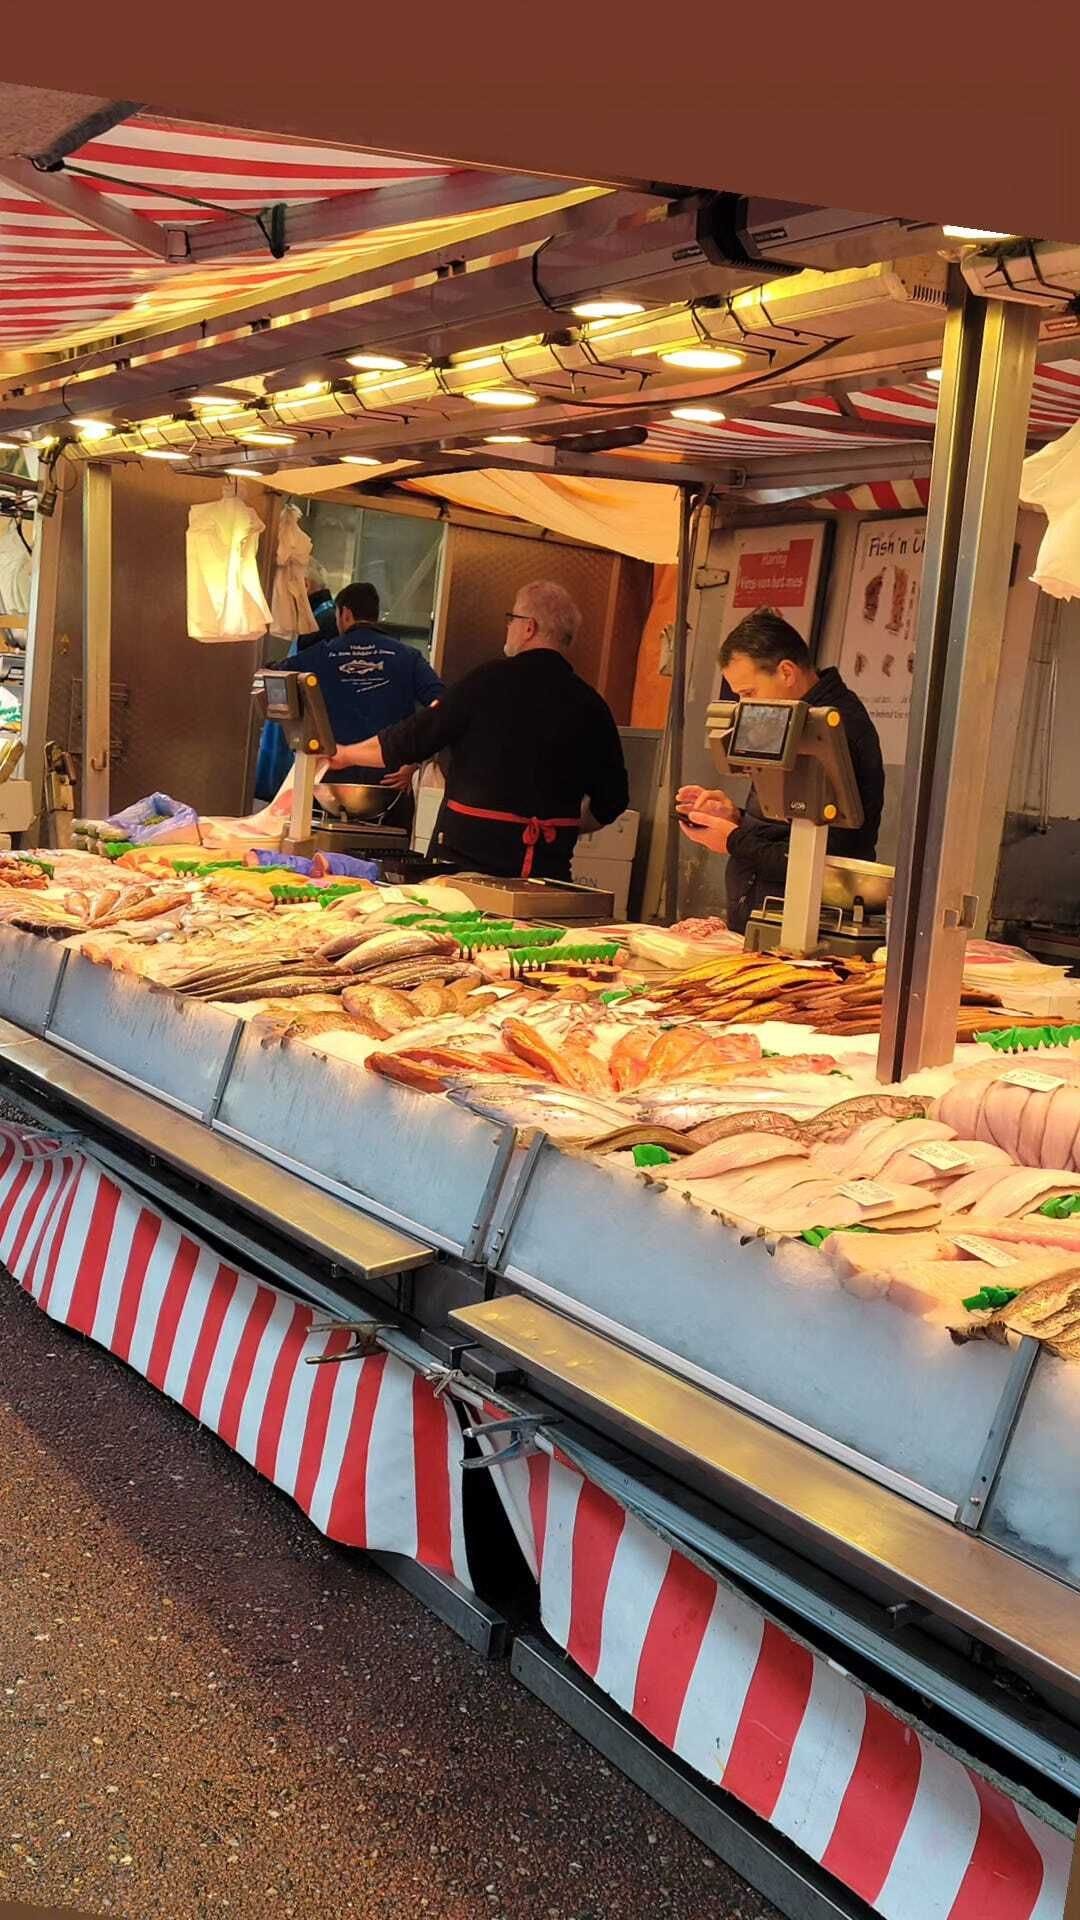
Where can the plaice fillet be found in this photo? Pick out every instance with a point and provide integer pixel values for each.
(866, 1263)
(1022, 1190)
(843, 1155)
(971, 1189)
(873, 1158)
(741, 1150)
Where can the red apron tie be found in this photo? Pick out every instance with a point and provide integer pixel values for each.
(533, 828)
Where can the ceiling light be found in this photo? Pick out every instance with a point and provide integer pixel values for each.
(702, 416)
(505, 440)
(242, 473)
(270, 439)
(933, 373)
(474, 366)
(361, 460)
(11, 446)
(701, 358)
(44, 440)
(974, 233)
(215, 400)
(161, 453)
(312, 386)
(93, 429)
(377, 362)
(613, 309)
(501, 397)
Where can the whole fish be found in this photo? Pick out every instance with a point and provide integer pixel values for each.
(559, 1111)
(353, 954)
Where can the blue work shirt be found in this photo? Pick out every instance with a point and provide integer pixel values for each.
(369, 681)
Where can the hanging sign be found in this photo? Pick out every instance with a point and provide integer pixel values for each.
(877, 657)
(778, 567)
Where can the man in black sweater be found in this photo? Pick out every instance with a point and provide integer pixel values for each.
(763, 658)
(534, 754)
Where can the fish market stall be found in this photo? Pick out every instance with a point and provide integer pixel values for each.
(749, 1277)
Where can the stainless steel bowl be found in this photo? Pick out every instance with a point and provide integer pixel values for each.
(849, 880)
(356, 803)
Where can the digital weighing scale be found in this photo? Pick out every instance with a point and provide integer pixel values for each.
(800, 763)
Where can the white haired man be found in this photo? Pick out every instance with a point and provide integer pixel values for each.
(534, 754)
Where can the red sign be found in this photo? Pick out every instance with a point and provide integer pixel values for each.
(774, 576)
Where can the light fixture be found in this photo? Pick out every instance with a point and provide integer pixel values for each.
(606, 309)
(505, 440)
(242, 473)
(501, 397)
(269, 439)
(482, 360)
(934, 374)
(702, 416)
(11, 446)
(974, 233)
(44, 440)
(361, 460)
(215, 400)
(701, 358)
(310, 387)
(161, 453)
(377, 362)
(93, 429)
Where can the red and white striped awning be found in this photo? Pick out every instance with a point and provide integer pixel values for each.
(60, 278)
(876, 496)
(802, 427)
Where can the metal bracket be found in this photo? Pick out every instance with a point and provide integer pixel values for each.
(54, 997)
(489, 1199)
(523, 1429)
(365, 1340)
(501, 1235)
(225, 1075)
(972, 1510)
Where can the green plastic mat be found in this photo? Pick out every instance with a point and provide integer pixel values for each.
(1028, 1039)
(646, 1156)
(989, 1299)
(1063, 1208)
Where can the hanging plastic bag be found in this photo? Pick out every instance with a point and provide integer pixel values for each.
(290, 607)
(1050, 479)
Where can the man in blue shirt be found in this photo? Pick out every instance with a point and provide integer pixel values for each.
(368, 679)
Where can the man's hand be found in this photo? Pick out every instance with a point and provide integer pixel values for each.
(344, 757)
(712, 830)
(400, 780)
(705, 800)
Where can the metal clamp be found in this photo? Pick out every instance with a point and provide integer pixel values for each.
(972, 1510)
(489, 1199)
(505, 1227)
(522, 1428)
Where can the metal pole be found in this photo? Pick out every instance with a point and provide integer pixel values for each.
(97, 640)
(40, 639)
(677, 710)
(987, 370)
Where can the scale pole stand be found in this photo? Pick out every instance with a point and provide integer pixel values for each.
(797, 1887)
(800, 929)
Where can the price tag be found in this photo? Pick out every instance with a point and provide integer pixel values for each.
(942, 1155)
(986, 1250)
(867, 1193)
(1035, 1082)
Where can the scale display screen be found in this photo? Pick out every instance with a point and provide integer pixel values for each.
(282, 701)
(761, 731)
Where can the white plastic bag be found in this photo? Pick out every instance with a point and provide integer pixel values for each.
(1051, 480)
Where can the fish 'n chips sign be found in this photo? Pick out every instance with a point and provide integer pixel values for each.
(877, 655)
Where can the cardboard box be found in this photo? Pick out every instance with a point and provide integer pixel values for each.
(616, 842)
(611, 876)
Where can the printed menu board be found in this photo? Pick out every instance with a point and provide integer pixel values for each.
(877, 656)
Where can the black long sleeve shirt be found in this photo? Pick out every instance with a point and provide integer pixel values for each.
(527, 737)
(758, 849)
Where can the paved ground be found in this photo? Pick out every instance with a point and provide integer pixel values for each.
(205, 1709)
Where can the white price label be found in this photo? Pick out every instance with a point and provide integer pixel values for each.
(1034, 1082)
(867, 1193)
(986, 1250)
(942, 1155)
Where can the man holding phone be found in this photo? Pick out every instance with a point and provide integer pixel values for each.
(764, 658)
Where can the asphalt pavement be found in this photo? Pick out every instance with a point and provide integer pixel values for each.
(205, 1708)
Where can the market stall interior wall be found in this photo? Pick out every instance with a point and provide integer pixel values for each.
(180, 709)
(1039, 874)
